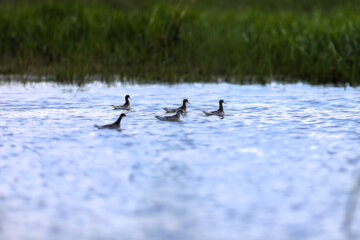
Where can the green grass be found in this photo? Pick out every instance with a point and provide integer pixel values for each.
(317, 43)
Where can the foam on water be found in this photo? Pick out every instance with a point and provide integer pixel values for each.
(279, 166)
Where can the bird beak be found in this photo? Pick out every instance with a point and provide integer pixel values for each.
(225, 102)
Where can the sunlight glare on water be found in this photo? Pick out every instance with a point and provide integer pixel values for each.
(279, 166)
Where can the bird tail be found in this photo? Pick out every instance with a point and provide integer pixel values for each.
(97, 126)
(206, 113)
(169, 110)
(116, 107)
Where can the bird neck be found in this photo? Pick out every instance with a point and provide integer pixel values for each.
(184, 105)
(221, 107)
(127, 102)
(119, 120)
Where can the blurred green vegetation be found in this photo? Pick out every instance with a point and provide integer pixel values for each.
(265, 5)
(316, 41)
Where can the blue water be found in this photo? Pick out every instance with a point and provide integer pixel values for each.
(279, 166)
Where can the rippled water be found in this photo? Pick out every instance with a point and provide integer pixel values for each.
(279, 166)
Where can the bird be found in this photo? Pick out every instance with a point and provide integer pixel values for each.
(183, 107)
(125, 106)
(172, 118)
(220, 112)
(115, 125)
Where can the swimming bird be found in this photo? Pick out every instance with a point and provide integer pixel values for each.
(183, 107)
(172, 118)
(115, 125)
(220, 112)
(125, 106)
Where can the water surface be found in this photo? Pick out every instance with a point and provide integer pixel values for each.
(279, 166)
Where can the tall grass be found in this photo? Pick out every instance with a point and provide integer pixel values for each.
(180, 41)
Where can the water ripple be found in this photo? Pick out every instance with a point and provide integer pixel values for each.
(279, 166)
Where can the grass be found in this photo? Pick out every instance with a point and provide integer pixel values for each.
(173, 41)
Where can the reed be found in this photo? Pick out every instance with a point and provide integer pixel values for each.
(181, 41)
